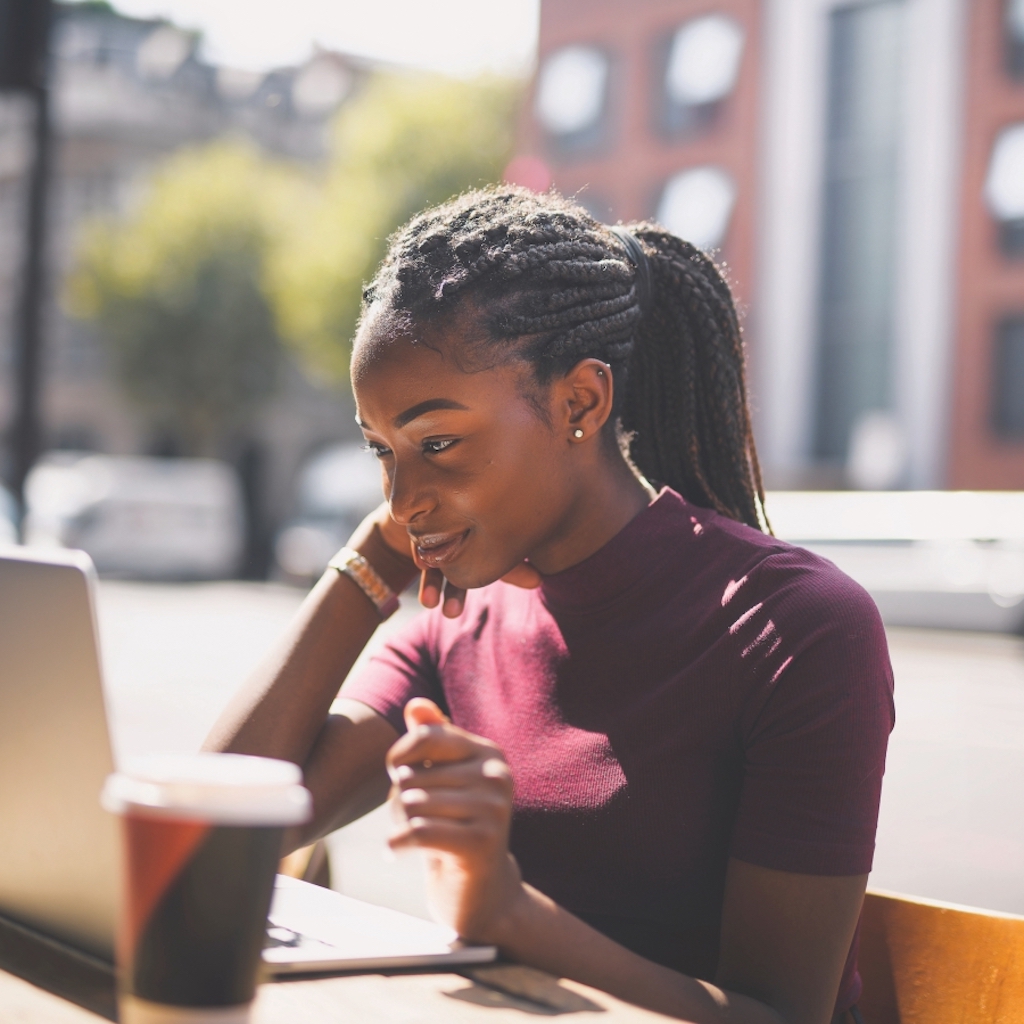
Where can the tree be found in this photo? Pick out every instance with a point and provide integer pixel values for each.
(177, 290)
(406, 142)
(230, 253)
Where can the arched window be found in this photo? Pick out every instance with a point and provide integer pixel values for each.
(1004, 188)
(696, 204)
(572, 96)
(702, 64)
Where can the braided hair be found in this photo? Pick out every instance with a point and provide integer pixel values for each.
(553, 286)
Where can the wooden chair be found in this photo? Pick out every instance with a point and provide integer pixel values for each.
(926, 962)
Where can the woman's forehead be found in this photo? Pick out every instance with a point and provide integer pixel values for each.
(386, 359)
(458, 339)
(406, 369)
(377, 361)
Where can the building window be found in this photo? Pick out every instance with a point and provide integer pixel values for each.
(858, 243)
(1014, 23)
(697, 204)
(572, 96)
(1008, 379)
(1004, 189)
(320, 87)
(701, 62)
(162, 53)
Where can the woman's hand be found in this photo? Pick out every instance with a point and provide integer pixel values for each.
(433, 586)
(452, 797)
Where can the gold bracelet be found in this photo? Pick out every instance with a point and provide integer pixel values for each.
(367, 579)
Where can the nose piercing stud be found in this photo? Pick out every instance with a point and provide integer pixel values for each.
(577, 432)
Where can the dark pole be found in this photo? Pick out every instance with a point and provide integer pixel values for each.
(26, 427)
(24, 68)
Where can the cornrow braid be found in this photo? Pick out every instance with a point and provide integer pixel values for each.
(554, 286)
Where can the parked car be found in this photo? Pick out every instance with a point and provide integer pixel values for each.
(139, 517)
(337, 487)
(8, 517)
(942, 559)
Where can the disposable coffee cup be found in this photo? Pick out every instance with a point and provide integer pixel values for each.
(202, 837)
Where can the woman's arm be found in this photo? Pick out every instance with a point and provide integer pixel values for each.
(785, 937)
(282, 711)
(781, 960)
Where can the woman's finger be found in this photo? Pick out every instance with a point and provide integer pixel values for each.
(436, 744)
(440, 834)
(457, 804)
(431, 586)
(494, 772)
(423, 711)
(454, 601)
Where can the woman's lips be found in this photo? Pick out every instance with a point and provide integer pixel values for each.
(437, 549)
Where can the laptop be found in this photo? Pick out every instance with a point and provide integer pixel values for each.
(59, 851)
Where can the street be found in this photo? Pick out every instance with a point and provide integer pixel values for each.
(952, 818)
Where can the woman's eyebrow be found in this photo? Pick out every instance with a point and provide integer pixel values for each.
(404, 418)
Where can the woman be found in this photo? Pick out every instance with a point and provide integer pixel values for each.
(641, 739)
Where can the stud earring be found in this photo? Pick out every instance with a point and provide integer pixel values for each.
(578, 432)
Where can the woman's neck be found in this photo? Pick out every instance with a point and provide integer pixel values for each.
(602, 505)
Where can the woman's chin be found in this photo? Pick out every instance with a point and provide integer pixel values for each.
(469, 580)
(473, 577)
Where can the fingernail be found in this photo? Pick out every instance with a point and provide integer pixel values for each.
(413, 796)
(452, 608)
(401, 773)
(494, 768)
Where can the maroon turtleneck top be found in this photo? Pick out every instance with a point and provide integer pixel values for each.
(693, 691)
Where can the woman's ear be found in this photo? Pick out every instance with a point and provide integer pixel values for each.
(586, 395)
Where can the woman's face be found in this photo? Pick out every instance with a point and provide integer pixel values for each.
(470, 467)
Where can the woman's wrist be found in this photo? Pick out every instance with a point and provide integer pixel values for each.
(514, 911)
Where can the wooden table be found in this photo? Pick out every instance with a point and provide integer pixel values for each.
(44, 982)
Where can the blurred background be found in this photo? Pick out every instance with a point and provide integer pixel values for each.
(219, 182)
(191, 194)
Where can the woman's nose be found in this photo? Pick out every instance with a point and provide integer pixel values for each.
(409, 498)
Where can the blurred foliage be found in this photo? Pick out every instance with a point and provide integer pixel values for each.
(230, 251)
(178, 293)
(406, 142)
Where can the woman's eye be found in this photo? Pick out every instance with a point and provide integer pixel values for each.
(378, 450)
(434, 447)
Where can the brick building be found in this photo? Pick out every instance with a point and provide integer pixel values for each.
(859, 167)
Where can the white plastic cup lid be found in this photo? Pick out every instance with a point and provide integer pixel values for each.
(225, 789)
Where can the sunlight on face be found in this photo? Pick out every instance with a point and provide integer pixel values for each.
(471, 468)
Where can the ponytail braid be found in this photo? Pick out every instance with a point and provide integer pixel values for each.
(554, 286)
(686, 400)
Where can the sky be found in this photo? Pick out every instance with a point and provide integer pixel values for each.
(459, 37)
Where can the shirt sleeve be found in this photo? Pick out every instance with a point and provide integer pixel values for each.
(404, 668)
(816, 724)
